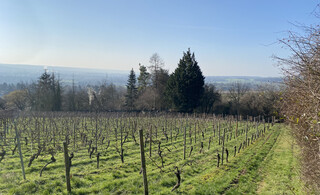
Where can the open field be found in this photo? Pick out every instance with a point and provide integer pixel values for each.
(261, 156)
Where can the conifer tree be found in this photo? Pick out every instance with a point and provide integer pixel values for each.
(143, 79)
(45, 92)
(186, 84)
(132, 91)
(48, 95)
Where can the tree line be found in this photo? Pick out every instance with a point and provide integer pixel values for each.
(185, 91)
(154, 89)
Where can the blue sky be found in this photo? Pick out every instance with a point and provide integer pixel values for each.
(229, 38)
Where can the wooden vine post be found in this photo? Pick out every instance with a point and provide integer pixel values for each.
(218, 158)
(195, 132)
(74, 136)
(5, 132)
(227, 154)
(150, 141)
(96, 133)
(19, 148)
(272, 121)
(67, 165)
(143, 163)
(247, 129)
(98, 160)
(184, 143)
(222, 152)
(237, 128)
(219, 131)
(257, 133)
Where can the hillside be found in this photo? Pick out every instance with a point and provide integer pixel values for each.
(264, 160)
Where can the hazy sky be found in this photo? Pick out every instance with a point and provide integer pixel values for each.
(235, 37)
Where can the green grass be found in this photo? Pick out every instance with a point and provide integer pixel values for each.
(270, 166)
(267, 166)
(281, 168)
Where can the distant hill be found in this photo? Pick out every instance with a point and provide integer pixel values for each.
(223, 82)
(12, 74)
(248, 79)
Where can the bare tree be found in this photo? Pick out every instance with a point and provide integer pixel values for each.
(2, 104)
(156, 63)
(17, 99)
(145, 100)
(264, 101)
(236, 91)
(159, 77)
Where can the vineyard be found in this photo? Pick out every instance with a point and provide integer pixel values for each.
(105, 152)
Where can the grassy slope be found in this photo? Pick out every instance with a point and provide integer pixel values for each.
(281, 168)
(267, 166)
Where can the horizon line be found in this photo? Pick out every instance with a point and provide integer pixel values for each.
(97, 68)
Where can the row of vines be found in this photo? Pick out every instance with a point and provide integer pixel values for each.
(170, 144)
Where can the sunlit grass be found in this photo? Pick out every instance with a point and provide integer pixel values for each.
(248, 172)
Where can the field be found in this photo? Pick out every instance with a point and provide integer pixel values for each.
(255, 157)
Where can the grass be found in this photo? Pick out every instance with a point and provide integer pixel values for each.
(281, 168)
(267, 166)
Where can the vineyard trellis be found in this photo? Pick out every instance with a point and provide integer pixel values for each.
(166, 136)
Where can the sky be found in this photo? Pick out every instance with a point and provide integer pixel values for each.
(229, 38)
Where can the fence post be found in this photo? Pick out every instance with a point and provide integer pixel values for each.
(143, 163)
(67, 165)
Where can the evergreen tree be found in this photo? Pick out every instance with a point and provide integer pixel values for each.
(132, 91)
(186, 85)
(48, 93)
(45, 93)
(161, 99)
(143, 79)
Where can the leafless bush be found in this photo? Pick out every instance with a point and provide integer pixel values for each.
(301, 97)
